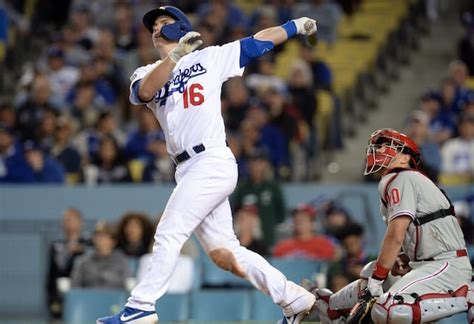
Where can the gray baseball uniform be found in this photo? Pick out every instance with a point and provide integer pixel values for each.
(436, 248)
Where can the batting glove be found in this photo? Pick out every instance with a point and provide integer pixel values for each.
(186, 45)
(305, 26)
(375, 287)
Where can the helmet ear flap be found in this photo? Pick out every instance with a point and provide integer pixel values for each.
(174, 31)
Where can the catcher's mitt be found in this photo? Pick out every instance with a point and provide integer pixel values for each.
(360, 313)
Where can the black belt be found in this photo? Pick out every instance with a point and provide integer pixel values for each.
(181, 157)
(456, 254)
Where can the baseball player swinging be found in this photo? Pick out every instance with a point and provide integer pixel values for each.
(421, 222)
(183, 90)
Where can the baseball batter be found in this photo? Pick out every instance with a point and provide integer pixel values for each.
(183, 90)
(420, 222)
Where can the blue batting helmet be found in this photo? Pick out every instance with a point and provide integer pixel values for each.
(174, 31)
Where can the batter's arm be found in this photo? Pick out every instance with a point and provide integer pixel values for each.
(392, 242)
(266, 39)
(155, 79)
(279, 34)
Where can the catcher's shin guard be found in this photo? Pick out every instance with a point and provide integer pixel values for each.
(419, 309)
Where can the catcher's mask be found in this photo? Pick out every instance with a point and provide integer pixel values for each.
(384, 145)
(171, 32)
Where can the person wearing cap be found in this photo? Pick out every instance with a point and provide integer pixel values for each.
(105, 267)
(418, 129)
(183, 90)
(13, 166)
(458, 153)
(248, 230)
(62, 77)
(305, 243)
(45, 169)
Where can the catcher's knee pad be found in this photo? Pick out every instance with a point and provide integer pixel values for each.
(418, 309)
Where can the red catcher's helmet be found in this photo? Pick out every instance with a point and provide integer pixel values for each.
(394, 142)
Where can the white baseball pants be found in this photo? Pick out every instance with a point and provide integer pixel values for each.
(200, 203)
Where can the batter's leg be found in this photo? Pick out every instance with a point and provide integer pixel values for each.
(193, 199)
(217, 237)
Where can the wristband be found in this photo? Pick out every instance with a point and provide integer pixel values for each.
(290, 28)
(380, 273)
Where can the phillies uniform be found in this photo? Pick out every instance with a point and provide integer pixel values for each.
(438, 284)
(436, 249)
(188, 108)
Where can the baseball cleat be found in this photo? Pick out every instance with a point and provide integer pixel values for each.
(297, 318)
(131, 316)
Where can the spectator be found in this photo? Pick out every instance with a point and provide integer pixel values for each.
(108, 166)
(62, 149)
(62, 77)
(354, 257)
(31, 111)
(126, 39)
(320, 71)
(248, 230)
(336, 219)
(264, 77)
(300, 86)
(45, 130)
(418, 130)
(8, 115)
(105, 267)
(83, 106)
(458, 153)
(87, 142)
(161, 168)
(459, 73)
(271, 139)
(463, 215)
(441, 122)
(45, 168)
(13, 166)
(134, 234)
(305, 243)
(451, 100)
(236, 103)
(263, 192)
(140, 142)
(62, 255)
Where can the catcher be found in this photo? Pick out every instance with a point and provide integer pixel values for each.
(431, 279)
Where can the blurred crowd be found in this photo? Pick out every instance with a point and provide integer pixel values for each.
(443, 123)
(69, 119)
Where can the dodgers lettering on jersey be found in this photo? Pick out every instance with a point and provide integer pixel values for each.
(410, 193)
(188, 107)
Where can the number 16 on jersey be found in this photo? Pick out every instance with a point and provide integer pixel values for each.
(192, 95)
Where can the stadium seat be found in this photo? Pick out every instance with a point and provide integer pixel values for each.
(210, 305)
(88, 304)
(263, 309)
(173, 308)
(213, 276)
(297, 269)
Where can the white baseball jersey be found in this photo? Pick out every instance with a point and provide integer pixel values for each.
(188, 107)
(411, 193)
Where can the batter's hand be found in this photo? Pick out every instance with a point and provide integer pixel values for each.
(305, 26)
(186, 45)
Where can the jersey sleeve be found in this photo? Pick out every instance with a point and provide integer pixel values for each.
(135, 79)
(401, 197)
(227, 59)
